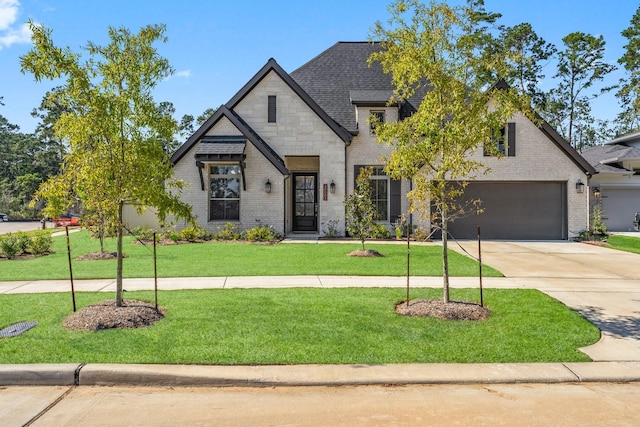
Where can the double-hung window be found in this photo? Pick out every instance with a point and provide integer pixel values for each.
(224, 193)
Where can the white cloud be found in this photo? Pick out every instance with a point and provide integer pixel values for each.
(21, 34)
(9, 32)
(183, 74)
(8, 13)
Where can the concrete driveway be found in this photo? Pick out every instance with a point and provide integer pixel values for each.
(602, 284)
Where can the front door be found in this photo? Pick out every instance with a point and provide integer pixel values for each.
(305, 202)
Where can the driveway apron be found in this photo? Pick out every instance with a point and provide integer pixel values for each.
(603, 284)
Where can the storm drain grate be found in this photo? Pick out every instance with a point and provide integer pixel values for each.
(16, 329)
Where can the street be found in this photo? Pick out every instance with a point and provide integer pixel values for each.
(584, 404)
(15, 226)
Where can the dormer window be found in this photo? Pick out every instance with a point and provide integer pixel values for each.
(271, 109)
(375, 118)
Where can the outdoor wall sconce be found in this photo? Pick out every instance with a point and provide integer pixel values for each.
(332, 187)
(267, 186)
(596, 192)
(579, 187)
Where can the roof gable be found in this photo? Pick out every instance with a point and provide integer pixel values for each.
(272, 65)
(243, 127)
(554, 136)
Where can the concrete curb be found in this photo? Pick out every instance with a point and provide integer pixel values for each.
(39, 374)
(316, 375)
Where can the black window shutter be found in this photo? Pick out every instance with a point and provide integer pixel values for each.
(356, 172)
(271, 109)
(395, 193)
(511, 139)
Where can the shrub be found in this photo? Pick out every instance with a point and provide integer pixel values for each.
(40, 242)
(9, 245)
(379, 231)
(421, 234)
(598, 225)
(261, 233)
(332, 229)
(143, 232)
(22, 241)
(229, 231)
(195, 233)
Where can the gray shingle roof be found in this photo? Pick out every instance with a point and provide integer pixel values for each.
(340, 71)
(608, 158)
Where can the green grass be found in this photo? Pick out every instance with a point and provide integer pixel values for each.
(624, 243)
(300, 326)
(237, 259)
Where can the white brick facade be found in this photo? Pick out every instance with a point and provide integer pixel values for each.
(304, 139)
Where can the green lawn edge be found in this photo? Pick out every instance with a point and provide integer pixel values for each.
(301, 326)
(223, 259)
(624, 243)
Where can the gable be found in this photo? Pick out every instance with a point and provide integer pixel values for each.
(233, 125)
(534, 151)
(272, 66)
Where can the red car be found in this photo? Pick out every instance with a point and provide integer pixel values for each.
(66, 221)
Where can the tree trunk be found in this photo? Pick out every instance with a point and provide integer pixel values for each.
(119, 259)
(445, 257)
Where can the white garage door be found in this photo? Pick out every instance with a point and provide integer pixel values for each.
(618, 207)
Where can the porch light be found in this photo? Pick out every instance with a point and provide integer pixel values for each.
(332, 187)
(579, 186)
(596, 192)
(267, 186)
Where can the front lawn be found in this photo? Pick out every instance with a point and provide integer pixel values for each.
(624, 243)
(300, 326)
(237, 259)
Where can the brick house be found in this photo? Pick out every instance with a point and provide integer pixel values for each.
(287, 147)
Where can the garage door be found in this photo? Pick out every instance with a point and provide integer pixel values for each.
(618, 207)
(516, 211)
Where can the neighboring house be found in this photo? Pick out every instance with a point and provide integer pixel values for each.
(616, 186)
(288, 146)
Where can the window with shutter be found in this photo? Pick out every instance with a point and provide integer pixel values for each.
(505, 142)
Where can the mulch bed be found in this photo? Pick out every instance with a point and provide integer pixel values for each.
(106, 315)
(453, 310)
(368, 253)
(97, 256)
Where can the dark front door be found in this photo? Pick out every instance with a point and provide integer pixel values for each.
(305, 202)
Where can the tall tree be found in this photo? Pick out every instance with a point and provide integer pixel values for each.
(526, 54)
(581, 65)
(24, 164)
(434, 52)
(50, 110)
(629, 92)
(114, 129)
(188, 123)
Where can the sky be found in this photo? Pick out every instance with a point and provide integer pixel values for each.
(216, 46)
